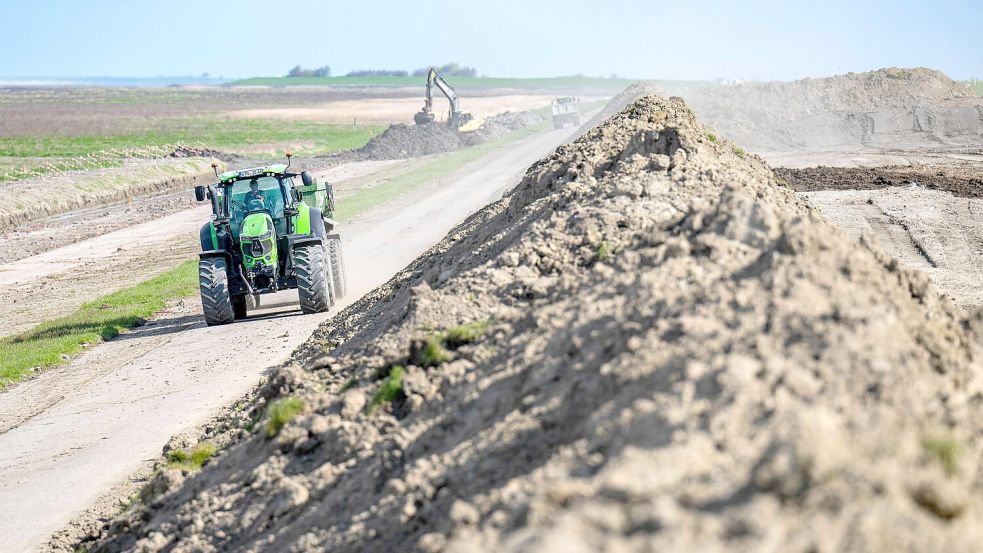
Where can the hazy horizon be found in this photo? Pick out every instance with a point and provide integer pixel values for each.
(709, 40)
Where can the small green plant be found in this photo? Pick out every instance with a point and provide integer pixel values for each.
(468, 333)
(434, 353)
(944, 449)
(711, 137)
(604, 250)
(740, 151)
(348, 385)
(391, 389)
(280, 412)
(191, 460)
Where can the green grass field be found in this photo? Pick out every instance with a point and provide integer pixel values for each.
(51, 342)
(316, 138)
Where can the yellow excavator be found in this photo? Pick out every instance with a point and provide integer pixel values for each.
(458, 120)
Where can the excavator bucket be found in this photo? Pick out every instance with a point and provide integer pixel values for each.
(472, 125)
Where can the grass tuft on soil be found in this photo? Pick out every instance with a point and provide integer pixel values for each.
(945, 450)
(468, 333)
(348, 385)
(391, 389)
(191, 460)
(55, 341)
(281, 412)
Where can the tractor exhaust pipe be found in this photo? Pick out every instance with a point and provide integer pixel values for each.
(215, 168)
(289, 155)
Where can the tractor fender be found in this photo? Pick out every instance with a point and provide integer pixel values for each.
(317, 223)
(295, 241)
(208, 238)
(298, 240)
(208, 254)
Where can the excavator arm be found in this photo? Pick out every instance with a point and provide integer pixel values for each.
(426, 115)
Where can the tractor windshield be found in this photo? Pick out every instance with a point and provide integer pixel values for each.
(261, 193)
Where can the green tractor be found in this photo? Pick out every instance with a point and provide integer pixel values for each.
(268, 233)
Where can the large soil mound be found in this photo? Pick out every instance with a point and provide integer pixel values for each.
(888, 108)
(675, 354)
(403, 141)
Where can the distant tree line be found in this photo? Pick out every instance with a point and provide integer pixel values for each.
(447, 70)
(377, 73)
(298, 71)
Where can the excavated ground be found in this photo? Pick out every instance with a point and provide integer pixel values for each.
(960, 180)
(890, 109)
(680, 355)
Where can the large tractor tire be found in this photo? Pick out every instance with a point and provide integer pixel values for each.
(337, 266)
(213, 283)
(313, 284)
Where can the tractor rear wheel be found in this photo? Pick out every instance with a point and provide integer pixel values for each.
(337, 266)
(312, 279)
(213, 283)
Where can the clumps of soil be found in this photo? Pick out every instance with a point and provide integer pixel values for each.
(678, 355)
(404, 141)
(962, 181)
(889, 108)
(189, 151)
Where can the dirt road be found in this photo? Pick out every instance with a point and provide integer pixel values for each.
(70, 435)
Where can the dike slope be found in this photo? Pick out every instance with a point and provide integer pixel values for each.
(892, 108)
(679, 355)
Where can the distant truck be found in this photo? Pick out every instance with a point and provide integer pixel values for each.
(565, 110)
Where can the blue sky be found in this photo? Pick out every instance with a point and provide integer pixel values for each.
(759, 39)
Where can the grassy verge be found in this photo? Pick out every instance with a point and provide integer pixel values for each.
(51, 342)
(365, 200)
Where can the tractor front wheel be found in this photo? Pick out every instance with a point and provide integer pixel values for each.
(312, 279)
(213, 283)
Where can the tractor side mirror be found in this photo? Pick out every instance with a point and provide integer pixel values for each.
(200, 193)
(306, 178)
(330, 190)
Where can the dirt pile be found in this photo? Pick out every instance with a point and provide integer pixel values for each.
(662, 349)
(963, 181)
(403, 141)
(888, 108)
(190, 151)
(631, 93)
